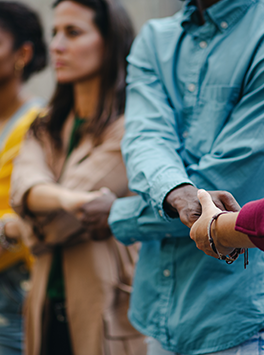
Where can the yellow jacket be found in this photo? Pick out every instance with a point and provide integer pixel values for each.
(9, 149)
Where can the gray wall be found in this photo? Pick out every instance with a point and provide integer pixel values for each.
(140, 11)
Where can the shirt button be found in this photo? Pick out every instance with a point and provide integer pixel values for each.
(185, 134)
(191, 87)
(4, 322)
(166, 273)
(203, 44)
(133, 240)
(160, 213)
(168, 235)
(25, 285)
(224, 25)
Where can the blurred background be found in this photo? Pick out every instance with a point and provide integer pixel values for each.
(139, 10)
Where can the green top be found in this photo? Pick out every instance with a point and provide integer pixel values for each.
(55, 289)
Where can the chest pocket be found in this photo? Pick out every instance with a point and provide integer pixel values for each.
(214, 107)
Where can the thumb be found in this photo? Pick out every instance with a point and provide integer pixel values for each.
(205, 200)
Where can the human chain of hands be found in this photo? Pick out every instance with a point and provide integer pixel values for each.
(195, 209)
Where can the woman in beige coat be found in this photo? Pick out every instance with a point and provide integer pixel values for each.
(82, 276)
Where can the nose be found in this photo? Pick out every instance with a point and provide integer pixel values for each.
(58, 44)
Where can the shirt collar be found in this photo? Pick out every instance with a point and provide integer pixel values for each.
(224, 13)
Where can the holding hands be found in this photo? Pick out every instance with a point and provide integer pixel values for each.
(92, 209)
(183, 202)
(195, 208)
(199, 230)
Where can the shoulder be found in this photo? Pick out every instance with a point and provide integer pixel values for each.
(22, 126)
(155, 36)
(156, 28)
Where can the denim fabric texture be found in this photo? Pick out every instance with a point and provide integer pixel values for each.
(253, 346)
(194, 114)
(12, 292)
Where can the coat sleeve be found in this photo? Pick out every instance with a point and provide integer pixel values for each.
(250, 221)
(30, 169)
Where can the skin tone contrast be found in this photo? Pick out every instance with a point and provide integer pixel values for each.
(225, 236)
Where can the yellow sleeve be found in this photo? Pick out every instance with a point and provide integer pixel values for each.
(8, 153)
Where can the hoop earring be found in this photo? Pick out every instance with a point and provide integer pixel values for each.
(19, 66)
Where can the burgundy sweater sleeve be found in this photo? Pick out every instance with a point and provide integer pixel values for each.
(250, 221)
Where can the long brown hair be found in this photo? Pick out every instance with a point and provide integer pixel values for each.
(115, 27)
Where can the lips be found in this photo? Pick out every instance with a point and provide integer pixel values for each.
(59, 64)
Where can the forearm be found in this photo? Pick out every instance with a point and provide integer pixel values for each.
(45, 198)
(225, 234)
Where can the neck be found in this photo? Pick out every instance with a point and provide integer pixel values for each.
(86, 97)
(207, 3)
(10, 98)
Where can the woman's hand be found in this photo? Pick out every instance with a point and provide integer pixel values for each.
(71, 201)
(12, 231)
(199, 231)
(94, 215)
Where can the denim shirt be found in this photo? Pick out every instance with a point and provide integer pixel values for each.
(195, 114)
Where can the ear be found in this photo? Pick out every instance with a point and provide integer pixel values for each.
(25, 53)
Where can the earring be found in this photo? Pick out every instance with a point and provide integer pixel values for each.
(19, 66)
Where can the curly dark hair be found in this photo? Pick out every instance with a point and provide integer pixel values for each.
(25, 26)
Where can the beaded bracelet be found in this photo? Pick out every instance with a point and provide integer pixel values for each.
(234, 254)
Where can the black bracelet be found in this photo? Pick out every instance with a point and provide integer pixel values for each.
(234, 254)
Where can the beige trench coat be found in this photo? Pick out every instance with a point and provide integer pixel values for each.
(97, 274)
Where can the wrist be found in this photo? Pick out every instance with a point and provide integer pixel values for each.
(215, 233)
(176, 195)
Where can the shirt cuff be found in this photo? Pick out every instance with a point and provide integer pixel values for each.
(164, 183)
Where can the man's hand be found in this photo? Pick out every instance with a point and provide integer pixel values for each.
(183, 202)
(73, 200)
(95, 214)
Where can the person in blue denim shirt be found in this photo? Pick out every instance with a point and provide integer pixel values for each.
(194, 119)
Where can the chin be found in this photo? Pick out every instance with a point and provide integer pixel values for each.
(63, 79)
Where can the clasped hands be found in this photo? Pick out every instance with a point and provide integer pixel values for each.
(195, 209)
(92, 209)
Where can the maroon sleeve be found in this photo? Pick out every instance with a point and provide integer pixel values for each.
(250, 221)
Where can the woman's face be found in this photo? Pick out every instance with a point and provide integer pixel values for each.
(8, 57)
(77, 47)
